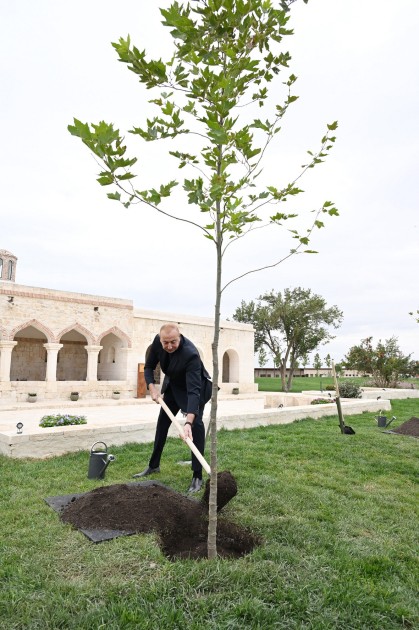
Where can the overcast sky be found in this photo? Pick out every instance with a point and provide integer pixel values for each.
(356, 62)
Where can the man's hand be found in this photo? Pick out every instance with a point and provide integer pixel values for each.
(154, 393)
(187, 428)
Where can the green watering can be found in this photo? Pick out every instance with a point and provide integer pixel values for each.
(98, 462)
(382, 421)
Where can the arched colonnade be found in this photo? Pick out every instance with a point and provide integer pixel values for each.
(32, 352)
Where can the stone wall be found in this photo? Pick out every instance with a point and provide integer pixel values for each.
(54, 313)
(29, 361)
(236, 342)
(49, 336)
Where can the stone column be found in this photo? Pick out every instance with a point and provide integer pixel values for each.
(6, 348)
(52, 354)
(92, 357)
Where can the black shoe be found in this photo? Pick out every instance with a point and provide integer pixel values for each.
(148, 471)
(196, 485)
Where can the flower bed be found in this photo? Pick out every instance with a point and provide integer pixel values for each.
(59, 420)
(321, 401)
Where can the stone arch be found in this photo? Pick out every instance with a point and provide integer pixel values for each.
(118, 333)
(34, 323)
(112, 359)
(230, 366)
(72, 358)
(3, 334)
(29, 356)
(80, 329)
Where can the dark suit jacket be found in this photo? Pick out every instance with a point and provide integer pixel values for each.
(184, 372)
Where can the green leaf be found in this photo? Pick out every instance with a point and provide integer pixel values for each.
(125, 176)
(79, 129)
(115, 195)
(333, 126)
(166, 190)
(219, 136)
(105, 179)
(154, 197)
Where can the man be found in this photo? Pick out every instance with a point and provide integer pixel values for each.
(186, 387)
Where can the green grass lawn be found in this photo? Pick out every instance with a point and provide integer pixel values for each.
(338, 515)
(300, 383)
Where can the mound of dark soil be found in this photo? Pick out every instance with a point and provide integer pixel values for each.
(226, 489)
(410, 427)
(181, 523)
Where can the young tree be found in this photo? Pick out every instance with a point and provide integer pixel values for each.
(386, 363)
(290, 325)
(328, 361)
(317, 363)
(338, 369)
(262, 357)
(226, 54)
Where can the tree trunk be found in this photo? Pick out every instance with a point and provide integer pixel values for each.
(283, 376)
(212, 510)
(293, 365)
(290, 376)
(284, 371)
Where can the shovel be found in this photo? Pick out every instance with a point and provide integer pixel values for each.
(188, 441)
(226, 483)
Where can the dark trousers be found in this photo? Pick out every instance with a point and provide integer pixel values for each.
(163, 425)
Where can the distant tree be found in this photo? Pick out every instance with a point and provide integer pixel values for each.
(277, 360)
(328, 361)
(262, 357)
(386, 363)
(338, 369)
(290, 325)
(317, 363)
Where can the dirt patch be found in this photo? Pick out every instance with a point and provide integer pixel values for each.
(226, 489)
(181, 523)
(410, 427)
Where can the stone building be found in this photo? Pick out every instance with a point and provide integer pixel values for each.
(55, 342)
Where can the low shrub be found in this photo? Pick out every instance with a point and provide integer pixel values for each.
(321, 401)
(59, 420)
(349, 390)
(330, 388)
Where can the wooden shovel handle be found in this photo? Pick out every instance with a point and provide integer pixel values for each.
(188, 441)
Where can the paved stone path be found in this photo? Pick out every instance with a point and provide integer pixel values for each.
(120, 421)
(107, 412)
